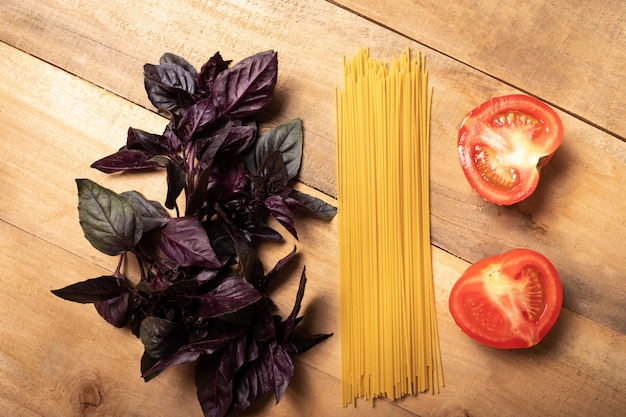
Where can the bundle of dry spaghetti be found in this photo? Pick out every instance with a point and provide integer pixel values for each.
(389, 336)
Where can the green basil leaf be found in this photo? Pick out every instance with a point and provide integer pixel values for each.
(152, 213)
(311, 204)
(109, 221)
(286, 138)
(160, 337)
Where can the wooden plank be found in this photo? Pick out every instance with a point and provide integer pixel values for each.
(64, 360)
(59, 358)
(580, 362)
(558, 220)
(565, 52)
(86, 37)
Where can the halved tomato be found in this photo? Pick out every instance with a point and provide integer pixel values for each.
(508, 301)
(504, 143)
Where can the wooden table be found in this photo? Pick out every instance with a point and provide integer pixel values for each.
(71, 84)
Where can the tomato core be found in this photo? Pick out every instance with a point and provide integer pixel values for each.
(489, 164)
(504, 143)
(507, 301)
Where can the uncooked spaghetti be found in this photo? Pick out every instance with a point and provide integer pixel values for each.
(389, 337)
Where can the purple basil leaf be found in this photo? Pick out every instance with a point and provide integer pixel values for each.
(247, 87)
(281, 263)
(286, 138)
(265, 232)
(238, 140)
(272, 176)
(171, 138)
(152, 213)
(242, 318)
(124, 160)
(209, 147)
(170, 58)
(109, 221)
(93, 290)
(264, 283)
(298, 344)
(254, 384)
(253, 350)
(215, 391)
(197, 198)
(229, 142)
(185, 241)
(148, 362)
(285, 328)
(221, 241)
(160, 337)
(115, 311)
(299, 296)
(245, 221)
(281, 211)
(215, 375)
(283, 370)
(208, 72)
(196, 118)
(216, 183)
(189, 353)
(176, 179)
(182, 287)
(232, 294)
(205, 275)
(169, 86)
(272, 371)
(264, 328)
(171, 76)
(251, 267)
(150, 142)
(224, 181)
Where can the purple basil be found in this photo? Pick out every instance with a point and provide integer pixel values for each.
(206, 78)
(93, 290)
(124, 160)
(170, 86)
(247, 87)
(202, 293)
(232, 294)
(115, 310)
(150, 142)
(185, 242)
(196, 118)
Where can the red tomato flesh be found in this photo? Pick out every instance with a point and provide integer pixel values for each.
(503, 145)
(508, 301)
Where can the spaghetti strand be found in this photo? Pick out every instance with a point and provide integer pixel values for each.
(389, 336)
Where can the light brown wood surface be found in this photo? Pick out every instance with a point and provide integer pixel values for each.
(71, 84)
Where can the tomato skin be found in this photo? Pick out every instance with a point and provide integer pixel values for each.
(508, 301)
(504, 143)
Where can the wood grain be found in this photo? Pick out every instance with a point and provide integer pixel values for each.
(71, 85)
(566, 53)
(63, 360)
(574, 185)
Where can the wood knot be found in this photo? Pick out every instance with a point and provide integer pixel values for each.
(89, 396)
(87, 393)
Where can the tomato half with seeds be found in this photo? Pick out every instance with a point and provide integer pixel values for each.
(508, 301)
(504, 143)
